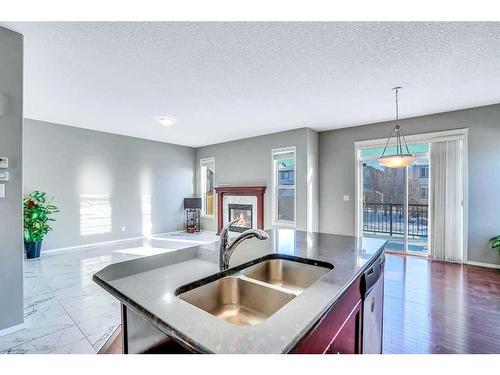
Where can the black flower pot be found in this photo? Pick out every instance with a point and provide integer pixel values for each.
(33, 249)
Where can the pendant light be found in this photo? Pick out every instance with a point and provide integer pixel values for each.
(401, 159)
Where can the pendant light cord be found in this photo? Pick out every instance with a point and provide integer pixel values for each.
(398, 129)
(397, 106)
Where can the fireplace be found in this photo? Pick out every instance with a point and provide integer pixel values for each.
(251, 200)
(243, 212)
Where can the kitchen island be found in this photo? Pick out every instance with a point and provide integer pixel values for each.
(325, 317)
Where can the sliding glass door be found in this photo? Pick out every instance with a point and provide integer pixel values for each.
(383, 203)
(395, 202)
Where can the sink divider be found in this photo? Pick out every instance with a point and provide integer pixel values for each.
(235, 271)
(268, 285)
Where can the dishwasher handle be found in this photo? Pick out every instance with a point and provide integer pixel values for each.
(371, 275)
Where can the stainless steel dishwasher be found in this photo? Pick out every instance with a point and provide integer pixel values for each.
(373, 306)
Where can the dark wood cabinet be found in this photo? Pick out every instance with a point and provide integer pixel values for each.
(347, 339)
(339, 330)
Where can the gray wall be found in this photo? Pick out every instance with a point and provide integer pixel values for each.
(337, 161)
(248, 161)
(141, 181)
(11, 232)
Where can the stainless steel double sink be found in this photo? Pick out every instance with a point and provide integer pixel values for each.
(252, 294)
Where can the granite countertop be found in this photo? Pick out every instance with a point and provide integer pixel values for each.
(148, 286)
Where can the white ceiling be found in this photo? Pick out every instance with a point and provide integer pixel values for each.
(225, 81)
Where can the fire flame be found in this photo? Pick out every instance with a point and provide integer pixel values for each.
(241, 221)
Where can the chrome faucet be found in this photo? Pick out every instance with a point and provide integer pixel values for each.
(226, 247)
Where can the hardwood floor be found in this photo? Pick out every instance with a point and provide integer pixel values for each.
(440, 307)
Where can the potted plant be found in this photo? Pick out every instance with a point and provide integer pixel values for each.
(37, 214)
(495, 242)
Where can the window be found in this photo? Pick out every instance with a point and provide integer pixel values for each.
(424, 172)
(284, 186)
(424, 191)
(207, 186)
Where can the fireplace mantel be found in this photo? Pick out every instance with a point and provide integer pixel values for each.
(257, 191)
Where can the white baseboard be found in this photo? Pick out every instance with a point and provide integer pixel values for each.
(480, 264)
(12, 329)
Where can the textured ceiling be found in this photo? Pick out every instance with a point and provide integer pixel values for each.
(224, 81)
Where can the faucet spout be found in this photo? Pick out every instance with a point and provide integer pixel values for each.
(227, 247)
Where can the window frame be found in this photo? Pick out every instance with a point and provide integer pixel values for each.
(204, 163)
(275, 187)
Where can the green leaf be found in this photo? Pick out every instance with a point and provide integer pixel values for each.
(495, 244)
(36, 216)
(27, 235)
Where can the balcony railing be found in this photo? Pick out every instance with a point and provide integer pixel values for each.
(388, 218)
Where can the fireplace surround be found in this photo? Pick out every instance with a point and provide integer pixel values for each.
(254, 192)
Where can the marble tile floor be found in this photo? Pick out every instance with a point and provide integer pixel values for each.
(64, 310)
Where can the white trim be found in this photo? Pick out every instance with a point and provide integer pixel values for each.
(274, 222)
(358, 193)
(480, 264)
(7, 331)
(446, 135)
(203, 162)
(207, 160)
(283, 150)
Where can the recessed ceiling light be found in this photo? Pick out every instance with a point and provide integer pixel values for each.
(166, 121)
